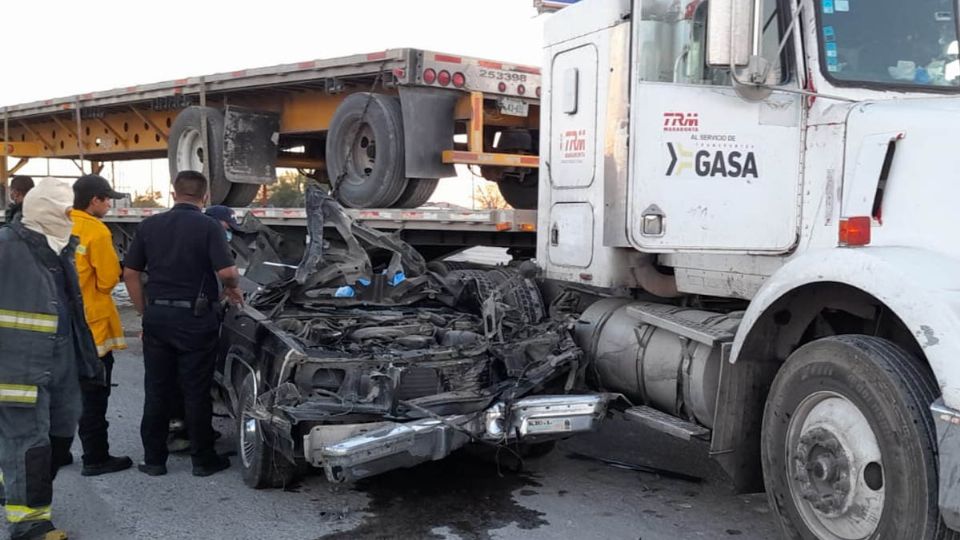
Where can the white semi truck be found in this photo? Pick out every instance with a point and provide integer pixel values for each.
(759, 193)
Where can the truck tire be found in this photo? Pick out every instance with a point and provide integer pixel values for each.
(365, 151)
(520, 194)
(241, 195)
(417, 192)
(262, 466)
(848, 443)
(185, 151)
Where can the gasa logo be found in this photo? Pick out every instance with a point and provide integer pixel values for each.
(573, 144)
(678, 121)
(711, 163)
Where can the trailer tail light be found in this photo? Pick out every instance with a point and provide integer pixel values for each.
(521, 89)
(502, 87)
(538, 91)
(429, 76)
(443, 78)
(855, 231)
(459, 80)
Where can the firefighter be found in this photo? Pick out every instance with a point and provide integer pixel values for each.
(45, 350)
(184, 253)
(98, 269)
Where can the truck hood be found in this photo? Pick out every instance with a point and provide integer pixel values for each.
(902, 166)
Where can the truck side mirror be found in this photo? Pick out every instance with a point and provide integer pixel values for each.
(731, 32)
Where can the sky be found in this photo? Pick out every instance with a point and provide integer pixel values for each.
(60, 48)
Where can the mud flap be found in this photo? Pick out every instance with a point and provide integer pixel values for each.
(427, 130)
(251, 140)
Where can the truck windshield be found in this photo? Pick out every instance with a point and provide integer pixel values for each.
(890, 42)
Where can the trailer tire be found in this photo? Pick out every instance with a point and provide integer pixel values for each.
(417, 192)
(241, 195)
(365, 151)
(848, 442)
(520, 194)
(262, 466)
(185, 151)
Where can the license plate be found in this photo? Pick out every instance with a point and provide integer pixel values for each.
(548, 425)
(514, 107)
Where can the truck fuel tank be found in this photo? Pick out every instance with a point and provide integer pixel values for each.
(664, 356)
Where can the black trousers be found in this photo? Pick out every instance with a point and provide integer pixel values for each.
(178, 356)
(93, 421)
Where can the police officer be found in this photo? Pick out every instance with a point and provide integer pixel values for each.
(45, 349)
(184, 253)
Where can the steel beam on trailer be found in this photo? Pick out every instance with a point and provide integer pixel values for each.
(21, 149)
(18, 166)
(489, 158)
(36, 135)
(150, 122)
(116, 133)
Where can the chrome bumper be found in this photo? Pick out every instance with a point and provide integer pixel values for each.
(351, 452)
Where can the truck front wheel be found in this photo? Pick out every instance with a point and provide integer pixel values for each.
(848, 445)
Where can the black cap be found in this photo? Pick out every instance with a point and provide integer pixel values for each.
(92, 185)
(223, 213)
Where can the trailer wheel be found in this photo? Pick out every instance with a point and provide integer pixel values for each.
(186, 151)
(521, 194)
(241, 195)
(262, 466)
(848, 444)
(417, 192)
(365, 151)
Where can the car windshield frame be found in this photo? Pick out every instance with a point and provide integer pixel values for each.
(892, 85)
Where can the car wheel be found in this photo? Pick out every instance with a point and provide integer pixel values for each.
(262, 466)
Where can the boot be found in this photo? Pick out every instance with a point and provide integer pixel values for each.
(112, 464)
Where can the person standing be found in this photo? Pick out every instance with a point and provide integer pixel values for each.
(46, 349)
(179, 440)
(19, 187)
(98, 269)
(184, 253)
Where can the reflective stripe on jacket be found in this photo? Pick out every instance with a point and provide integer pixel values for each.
(32, 314)
(98, 270)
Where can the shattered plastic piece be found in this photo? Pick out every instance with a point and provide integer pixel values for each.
(397, 279)
(345, 292)
(364, 281)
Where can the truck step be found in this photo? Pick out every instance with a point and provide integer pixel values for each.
(665, 423)
(665, 316)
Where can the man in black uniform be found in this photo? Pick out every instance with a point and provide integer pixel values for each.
(183, 252)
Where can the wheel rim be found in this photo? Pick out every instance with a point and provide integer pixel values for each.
(363, 155)
(190, 156)
(834, 468)
(249, 432)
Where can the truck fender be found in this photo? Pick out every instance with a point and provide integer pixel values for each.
(919, 286)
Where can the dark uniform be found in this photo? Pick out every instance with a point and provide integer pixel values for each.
(45, 348)
(180, 250)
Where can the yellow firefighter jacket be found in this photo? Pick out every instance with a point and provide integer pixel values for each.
(99, 271)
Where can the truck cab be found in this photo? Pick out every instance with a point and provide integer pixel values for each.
(757, 192)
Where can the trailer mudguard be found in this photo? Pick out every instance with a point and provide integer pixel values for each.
(428, 128)
(250, 145)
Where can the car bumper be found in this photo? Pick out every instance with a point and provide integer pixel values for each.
(351, 452)
(948, 437)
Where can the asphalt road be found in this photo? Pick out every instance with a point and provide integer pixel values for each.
(564, 495)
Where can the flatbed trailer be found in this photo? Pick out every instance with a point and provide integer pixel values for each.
(435, 232)
(380, 126)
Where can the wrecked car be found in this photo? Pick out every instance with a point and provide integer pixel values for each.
(351, 355)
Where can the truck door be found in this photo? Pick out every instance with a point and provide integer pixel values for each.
(710, 170)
